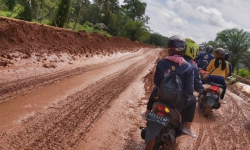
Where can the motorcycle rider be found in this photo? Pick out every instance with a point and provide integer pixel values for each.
(204, 58)
(176, 47)
(190, 55)
(220, 69)
(227, 55)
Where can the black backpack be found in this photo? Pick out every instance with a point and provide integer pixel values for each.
(170, 90)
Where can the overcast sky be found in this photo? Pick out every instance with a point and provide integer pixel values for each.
(199, 20)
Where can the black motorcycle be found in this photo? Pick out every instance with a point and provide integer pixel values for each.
(163, 124)
(209, 99)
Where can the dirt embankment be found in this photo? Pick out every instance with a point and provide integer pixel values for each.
(149, 78)
(241, 79)
(28, 38)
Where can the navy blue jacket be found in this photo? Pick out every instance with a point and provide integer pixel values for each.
(203, 58)
(186, 74)
(197, 80)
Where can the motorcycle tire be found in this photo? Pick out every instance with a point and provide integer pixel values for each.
(207, 111)
(158, 143)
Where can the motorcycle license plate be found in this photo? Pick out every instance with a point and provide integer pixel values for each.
(162, 120)
(212, 95)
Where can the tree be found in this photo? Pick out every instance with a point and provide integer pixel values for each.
(136, 31)
(62, 14)
(27, 8)
(157, 40)
(92, 14)
(81, 7)
(108, 8)
(136, 10)
(237, 41)
(117, 23)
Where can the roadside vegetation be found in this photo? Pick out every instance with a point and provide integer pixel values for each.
(103, 16)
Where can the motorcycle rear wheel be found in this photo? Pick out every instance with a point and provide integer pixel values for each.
(207, 111)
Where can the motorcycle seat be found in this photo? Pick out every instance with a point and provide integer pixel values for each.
(215, 84)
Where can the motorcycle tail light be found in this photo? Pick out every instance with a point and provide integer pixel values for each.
(160, 114)
(160, 108)
(215, 88)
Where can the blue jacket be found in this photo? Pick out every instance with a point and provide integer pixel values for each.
(197, 80)
(186, 74)
(203, 58)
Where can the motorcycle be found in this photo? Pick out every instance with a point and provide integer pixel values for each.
(163, 124)
(209, 99)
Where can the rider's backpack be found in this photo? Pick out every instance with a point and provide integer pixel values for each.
(170, 90)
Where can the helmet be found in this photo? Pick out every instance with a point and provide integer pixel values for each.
(227, 54)
(176, 45)
(209, 49)
(192, 48)
(220, 51)
(201, 47)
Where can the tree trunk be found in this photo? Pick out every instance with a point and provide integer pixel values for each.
(78, 16)
(67, 25)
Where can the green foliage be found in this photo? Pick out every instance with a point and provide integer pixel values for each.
(88, 24)
(10, 4)
(92, 14)
(26, 13)
(136, 10)
(136, 31)
(157, 40)
(7, 14)
(244, 73)
(62, 14)
(98, 27)
(127, 21)
(235, 40)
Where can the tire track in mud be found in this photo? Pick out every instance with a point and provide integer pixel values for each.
(204, 131)
(222, 133)
(17, 88)
(241, 116)
(63, 126)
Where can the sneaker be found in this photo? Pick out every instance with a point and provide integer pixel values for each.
(222, 101)
(188, 132)
(143, 114)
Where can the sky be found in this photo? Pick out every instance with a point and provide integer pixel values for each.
(199, 20)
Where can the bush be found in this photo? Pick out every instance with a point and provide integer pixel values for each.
(244, 73)
(88, 24)
(98, 27)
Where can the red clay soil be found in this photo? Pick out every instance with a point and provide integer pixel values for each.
(26, 37)
(149, 78)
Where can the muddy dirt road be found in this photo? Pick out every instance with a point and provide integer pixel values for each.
(58, 109)
(96, 105)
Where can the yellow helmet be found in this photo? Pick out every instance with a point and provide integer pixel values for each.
(192, 48)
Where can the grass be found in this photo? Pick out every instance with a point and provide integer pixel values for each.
(46, 22)
(7, 14)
